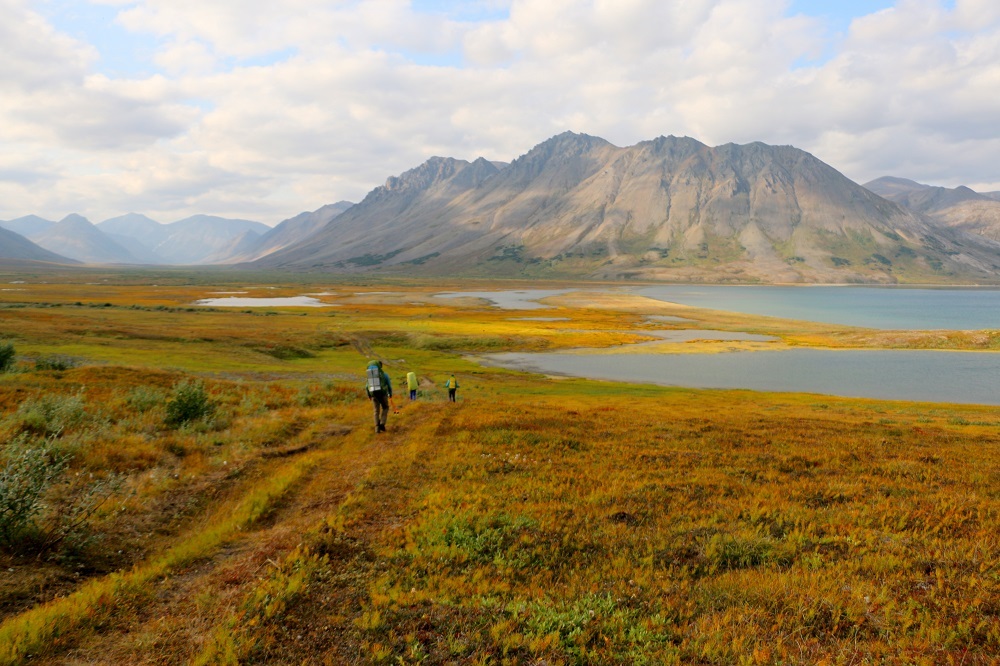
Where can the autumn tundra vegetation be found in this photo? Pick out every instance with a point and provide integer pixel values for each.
(184, 483)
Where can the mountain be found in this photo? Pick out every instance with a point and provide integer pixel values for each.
(239, 246)
(136, 248)
(200, 239)
(959, 208)
(28, 226)
(287, 233)
(141, 228)
(137, 233)
(75, 237)
(670, 208)
(15, 246)
(194, 240)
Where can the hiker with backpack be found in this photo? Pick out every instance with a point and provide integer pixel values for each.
(379, 390)
(411, 383)
(452, 386)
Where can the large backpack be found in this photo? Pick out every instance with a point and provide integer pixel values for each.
(374, 378)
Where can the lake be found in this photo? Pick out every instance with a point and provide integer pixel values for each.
(286, 302)
(931, 376)
(892, 308)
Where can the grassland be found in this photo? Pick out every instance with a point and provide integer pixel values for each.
(534, 521)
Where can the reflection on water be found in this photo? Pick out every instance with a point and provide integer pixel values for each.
(291, 301)
(927, 376)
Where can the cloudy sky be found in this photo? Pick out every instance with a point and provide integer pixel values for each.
(263, 109)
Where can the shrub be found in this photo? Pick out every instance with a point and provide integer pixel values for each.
(50, 415)
(306, 397)
(29, 470)
(144, 398)
(7, 356)
(54, 362)
(189, 402)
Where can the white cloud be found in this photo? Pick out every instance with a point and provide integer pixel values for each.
(265, 109)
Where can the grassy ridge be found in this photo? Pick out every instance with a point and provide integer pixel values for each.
(535, 521)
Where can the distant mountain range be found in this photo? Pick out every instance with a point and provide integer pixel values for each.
(958, 208)
(670, 209)
(138, 239)
(576, 206)
(15, 246)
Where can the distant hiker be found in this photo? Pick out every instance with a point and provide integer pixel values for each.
(411, 383)
(379, 390)
(452, 386)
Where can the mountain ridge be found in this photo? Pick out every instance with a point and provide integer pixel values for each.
(958, 208)
(16, 246)
(667, 208)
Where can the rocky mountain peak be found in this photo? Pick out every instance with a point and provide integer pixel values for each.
(434, 170)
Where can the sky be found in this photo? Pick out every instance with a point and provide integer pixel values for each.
(261, 110)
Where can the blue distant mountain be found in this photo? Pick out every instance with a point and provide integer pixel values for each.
(75, 237)
(28, 226)
(15, 246)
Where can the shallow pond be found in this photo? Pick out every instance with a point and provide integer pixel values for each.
(288, 302)
(521, 299)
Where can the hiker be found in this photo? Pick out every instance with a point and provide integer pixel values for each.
(379, 390)
(452, 386)
(411, 383)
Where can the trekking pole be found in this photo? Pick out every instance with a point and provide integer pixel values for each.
(392, 403)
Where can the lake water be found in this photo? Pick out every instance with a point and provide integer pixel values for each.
(891, 308)
(931, 376)
(289, 302)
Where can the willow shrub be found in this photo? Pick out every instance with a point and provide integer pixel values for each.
(7, 356)
(189, 402)
(29, 470)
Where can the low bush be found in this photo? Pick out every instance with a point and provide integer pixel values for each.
(50, 415)
(29, 470)
(7, 356)
(55, 362)
(189, 402)
(144, 398)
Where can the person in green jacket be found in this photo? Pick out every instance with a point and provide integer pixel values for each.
(452, 386)
(411, 383)
(379, 389)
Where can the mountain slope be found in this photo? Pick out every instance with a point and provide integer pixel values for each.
(959, 208)
(28, 226)
(15, 246)
(75, 237)
(195, 239)
(137, 226)
(671, 208)
(288, 232)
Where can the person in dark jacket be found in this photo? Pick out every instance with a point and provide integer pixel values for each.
(379, 389)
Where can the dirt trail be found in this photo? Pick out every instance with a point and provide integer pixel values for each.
(178, 615)
(318, 627)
